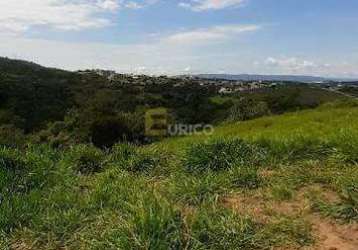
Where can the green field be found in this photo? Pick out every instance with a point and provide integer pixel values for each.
(278, 182)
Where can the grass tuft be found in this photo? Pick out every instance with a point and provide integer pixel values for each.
(221, 155)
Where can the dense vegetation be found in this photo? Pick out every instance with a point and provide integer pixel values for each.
(252, 185)
(63, 108)
(268, 182)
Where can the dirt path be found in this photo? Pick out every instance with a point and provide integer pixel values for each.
(332, 236)
(328, 234)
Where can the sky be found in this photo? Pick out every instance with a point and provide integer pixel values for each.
(300, 37)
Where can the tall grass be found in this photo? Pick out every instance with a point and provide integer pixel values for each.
(167, 195)
(221, 155)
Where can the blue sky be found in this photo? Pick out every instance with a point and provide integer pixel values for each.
(315, 37)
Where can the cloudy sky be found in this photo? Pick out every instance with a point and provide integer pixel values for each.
(315, 37)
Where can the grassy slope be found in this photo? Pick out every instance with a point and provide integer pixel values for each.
(322, 124)
(149, 201)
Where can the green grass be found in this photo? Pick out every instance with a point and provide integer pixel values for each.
(170, 195)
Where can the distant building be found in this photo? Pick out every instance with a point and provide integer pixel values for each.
(225, 90)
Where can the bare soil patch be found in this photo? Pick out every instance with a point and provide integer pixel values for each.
(329, 234)
(333, 236)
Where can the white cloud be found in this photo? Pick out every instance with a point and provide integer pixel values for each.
(17, 16)
(145, 58)
(212, 34)
(133, 5)
(294, 65)
(204, 5)
(110, 5)
(161, 57)
(291, 63)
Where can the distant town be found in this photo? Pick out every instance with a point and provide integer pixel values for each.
(227, 86)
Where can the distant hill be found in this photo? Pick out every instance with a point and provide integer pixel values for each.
(30, 69)
(62, 108)
(247, 77)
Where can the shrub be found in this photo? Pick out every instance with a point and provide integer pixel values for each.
(11, 136)
(86, 159)
(246, 109)
(222, 155)
(125, 127)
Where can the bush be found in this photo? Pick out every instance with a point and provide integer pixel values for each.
(246, 109)
(86, 159)
(221, 155)
(107, 131)
(11, 136)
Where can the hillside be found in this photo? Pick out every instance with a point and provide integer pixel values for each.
(278, 182)
(61, 108)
